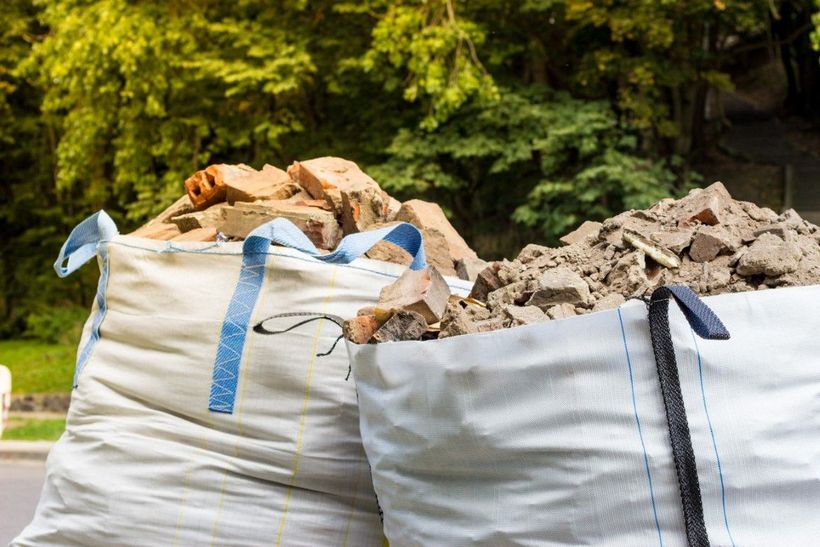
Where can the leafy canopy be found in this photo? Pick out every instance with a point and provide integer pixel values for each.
(522, 117)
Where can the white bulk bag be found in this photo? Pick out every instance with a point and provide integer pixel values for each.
(277, 459)
(557, 433)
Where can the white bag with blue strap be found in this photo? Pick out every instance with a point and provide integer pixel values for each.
(211, 405)
(680, 426)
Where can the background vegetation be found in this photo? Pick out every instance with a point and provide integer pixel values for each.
(40, 367)
(521, 117)
(20, 429)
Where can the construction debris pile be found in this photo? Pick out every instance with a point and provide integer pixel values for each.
(327, 198)
(706, 240)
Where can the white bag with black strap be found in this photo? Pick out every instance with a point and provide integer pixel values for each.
(211, 404)
(618, 428)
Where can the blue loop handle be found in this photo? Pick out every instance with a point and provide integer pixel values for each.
(700, 317)
(81, 245)
(252, 274)
(284, 232)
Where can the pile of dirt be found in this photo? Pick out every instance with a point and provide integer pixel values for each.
(706, 240)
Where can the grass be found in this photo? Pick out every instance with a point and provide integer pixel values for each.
(38, 367)
(34, 430)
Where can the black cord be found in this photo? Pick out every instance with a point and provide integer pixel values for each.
(259, 328)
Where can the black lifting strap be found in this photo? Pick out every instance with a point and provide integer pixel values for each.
(706, 325)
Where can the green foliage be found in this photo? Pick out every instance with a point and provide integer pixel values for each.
(545, 111)
(38, 367)
(662, 53)
(34, 430)
(425, 49)
(815, 35)
(613, 179)
(564, 158)
(146, 92)
(56, 324)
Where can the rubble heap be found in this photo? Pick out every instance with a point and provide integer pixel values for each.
(327, 198)
(706, 240)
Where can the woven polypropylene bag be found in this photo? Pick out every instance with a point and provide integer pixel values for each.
(555, 433)
(144, 461)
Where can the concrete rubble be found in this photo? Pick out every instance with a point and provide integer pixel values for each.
(706, 240)
(327, 198)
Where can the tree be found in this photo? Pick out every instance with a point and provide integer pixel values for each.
(553, 159)
(144, 93)
(527, 115)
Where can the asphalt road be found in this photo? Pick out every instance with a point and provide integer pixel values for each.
(20, 484)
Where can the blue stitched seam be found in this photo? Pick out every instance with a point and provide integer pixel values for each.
(714, 441)
(640, 432)
(234, 332)
(102, 307)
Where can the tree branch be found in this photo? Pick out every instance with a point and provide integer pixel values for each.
(760, 45)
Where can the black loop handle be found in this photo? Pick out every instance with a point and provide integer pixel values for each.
(706, 325)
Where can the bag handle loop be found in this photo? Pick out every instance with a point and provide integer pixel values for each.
(252, 274)
(81, 244)
(706, 325)
(284, 232)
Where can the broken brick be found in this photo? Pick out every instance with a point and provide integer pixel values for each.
(162, 231)
(363, 205)
(180, 207)
(326, 177)
(704, 205)
(320, 203)
(209, 218)
(319, 225)
(422, 291)
(628, 276)
(404, 325)
(442, 243)
(491, 324)
(355, 197)
(198, 234)
(269, 183)
(486, 282)
(389, 252)
(514, 293)
(391, 209)
(456, 321)
(437, 252)
(207, 187)
(360, 329)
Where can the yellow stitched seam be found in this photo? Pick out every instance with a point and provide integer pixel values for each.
(303, 416)
(243, 372)
(359, 469)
